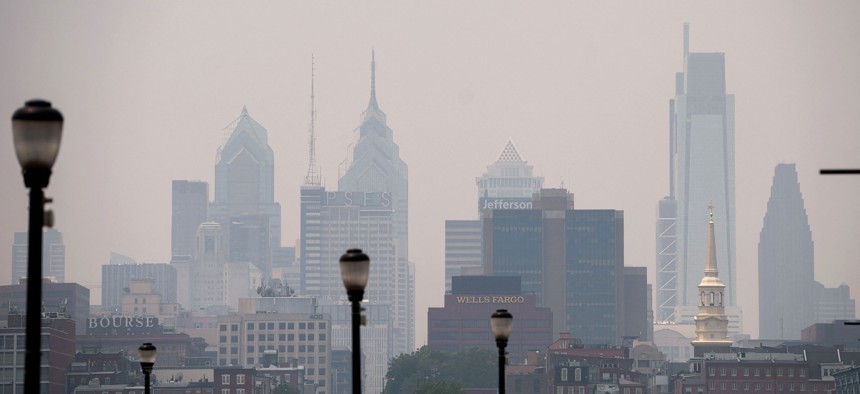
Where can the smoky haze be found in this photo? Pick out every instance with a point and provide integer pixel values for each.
(581, 88)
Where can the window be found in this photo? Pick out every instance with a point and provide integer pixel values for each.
(223, 327)
(791, 372)
(563, 371)
(582, 390)
(722, 385)
(639, 390)
(240, 391)
(768, 386)
(734, 372)
(791, 387)
(734, 386)
(225, 391)
(250, 326)
(746, 372)
(767, 372)
(711, 385)
(282, 326)
(757, 372)
(722, 372)
(240, 379)
(746, 386)
(779, 372)
(801, 373)
(577, 374)
(626, 390)
(711, 371)
(225, 379)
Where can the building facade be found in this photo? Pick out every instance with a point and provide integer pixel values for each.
(462, 249)
(53, 256)
(786, 261)
(116, 278)
(58, 352)
(190, 203)
(244, 194)
(58, 299)
(702, 170)
(572, 261)
(462, 323)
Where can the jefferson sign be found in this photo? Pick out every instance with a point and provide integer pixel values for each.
(504, 203)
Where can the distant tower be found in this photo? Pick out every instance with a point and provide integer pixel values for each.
(702, 169)
(53, 256)
(712, 325)
(244, 194)
(786, 261)
(190, 208)
(208, 270)
(314, 275)
(508, 179)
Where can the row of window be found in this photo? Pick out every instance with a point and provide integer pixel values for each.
(768, 386)
(281, 326)
(801, 372)
(240, 379)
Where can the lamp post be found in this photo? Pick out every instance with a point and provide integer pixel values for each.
(146, 355)
(354, 270)
(501, 323)
(36, 131)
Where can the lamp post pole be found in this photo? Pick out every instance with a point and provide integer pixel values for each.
(146, 355)
(354, 271)
(36, 130)
(501, 323)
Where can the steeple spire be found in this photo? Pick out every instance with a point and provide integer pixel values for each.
(313, 176)
(711, 262)
(373, 102)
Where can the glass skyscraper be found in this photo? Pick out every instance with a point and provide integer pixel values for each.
(702, 171)
(53, 256)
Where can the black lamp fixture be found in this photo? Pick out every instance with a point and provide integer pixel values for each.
(501, 323)
(146, 355)
(36, 131)
(354, 270)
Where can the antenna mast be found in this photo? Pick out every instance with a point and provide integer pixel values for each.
(313, 176)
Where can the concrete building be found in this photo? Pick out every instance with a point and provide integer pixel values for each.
(53, 256)
(190, 203)
(572, 261)
(143, 300)
(462, 249)
(462, 323)
(702, 169)
(215, 282)
(636, 320)
(245, 339)
(122, 334)
(833, 303)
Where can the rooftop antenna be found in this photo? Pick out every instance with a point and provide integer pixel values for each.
(313, 176)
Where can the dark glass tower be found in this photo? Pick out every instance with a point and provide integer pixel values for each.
(786, 262)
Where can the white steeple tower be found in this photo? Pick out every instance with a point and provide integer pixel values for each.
(712, 325)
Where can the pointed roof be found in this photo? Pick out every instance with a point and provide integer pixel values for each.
(712, 277)
(373, 110)
(510, 153)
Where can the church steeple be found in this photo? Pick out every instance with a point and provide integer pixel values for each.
(712, 325)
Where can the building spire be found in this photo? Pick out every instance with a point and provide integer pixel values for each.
(711, 263)
(313, 176)
(373, 79)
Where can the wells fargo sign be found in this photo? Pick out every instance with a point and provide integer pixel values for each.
(490, 299)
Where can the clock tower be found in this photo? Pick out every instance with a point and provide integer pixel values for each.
(712, 325)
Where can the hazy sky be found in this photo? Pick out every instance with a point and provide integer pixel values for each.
(582, 88)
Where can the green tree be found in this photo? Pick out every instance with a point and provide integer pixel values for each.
(407, 373)
(284, 388)
(439, 388)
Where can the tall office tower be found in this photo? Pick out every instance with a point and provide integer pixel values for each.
(216, 284)
(570, 259)
(376, 167)
(116, 279)
(508, 183)
(190, 208)
(53, 256)
(702, 169)
(636, 320)
(712, 324)
(244, 195)
(786, 261)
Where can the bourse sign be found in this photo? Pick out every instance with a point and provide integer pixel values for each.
(122, 325)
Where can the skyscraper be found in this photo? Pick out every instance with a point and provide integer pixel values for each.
(702, 169)
(53, 255)
(369, 211)
(572, 260)
(786, 261)
(508, 183)
(190, 208)
(244, 194)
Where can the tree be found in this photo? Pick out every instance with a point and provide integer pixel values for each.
(408, 373)
(439, 388)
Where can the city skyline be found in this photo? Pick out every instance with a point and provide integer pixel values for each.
(125, 92)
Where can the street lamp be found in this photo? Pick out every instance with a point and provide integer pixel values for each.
(501, 323)
(354, 270)
(146, 355)
(36, 131)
